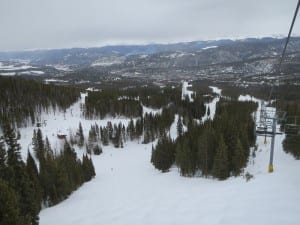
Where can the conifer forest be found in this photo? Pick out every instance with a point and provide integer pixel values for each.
(186, 131)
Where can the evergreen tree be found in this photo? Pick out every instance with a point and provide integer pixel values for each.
(33, 174)
(19, 180)
(104, 136)
(163, 155)
(179, 126)
(39, 148)
(130, 130)
(239, 158)
(3, 166)
(9, 209)
(97, 150)
(87, 168)
(208, 110)
(81, 136)
(48, 149)
(185, 159)
(203, 154)
(220, 167)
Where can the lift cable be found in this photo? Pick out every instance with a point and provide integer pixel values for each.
(285, 46)
(275, 118)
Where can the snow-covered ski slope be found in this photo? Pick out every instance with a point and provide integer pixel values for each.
(129, 190)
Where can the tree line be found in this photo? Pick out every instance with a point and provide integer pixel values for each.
(218, 148)
(22, 100)
(25, 186)
(129, 102)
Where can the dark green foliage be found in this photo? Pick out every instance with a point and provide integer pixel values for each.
(201, 149)
(97, 150)
(163, 155)
(131, 130)
(33, 174)
(88, 168)
(186, 158)
(81, 136)
(22, 100)
(221, 164)
(104, 136)
(208, 111)
(38, 145)
(239, 158)
(111, 102)
(289, 101)
(26, 188)
(179, 126)
(3, 157)
(9, 210)
(291, 144)
(206, 147)
(61, 174)
(156, 126)
(23, 187)
(19, 180)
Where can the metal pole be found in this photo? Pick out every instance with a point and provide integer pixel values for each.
(270, 169)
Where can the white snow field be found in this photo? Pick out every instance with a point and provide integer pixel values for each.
(185, 92)
(128, 190)
(212, 105)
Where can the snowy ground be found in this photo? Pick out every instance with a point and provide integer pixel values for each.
(63, 123)
(212, 105)
(129, 190)
(185, 92)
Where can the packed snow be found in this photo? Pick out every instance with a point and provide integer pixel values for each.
(185, 92)
(152, 111)
(108, 61)
(13, 67)
(216, 90)
(212, 105)
(129, 190)
(173, 129)
(61, 67)
(33, 72)
(209, 47)
(8, 74)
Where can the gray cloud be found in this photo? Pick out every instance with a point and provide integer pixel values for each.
(33, 24)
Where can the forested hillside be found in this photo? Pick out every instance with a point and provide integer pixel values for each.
(23, 100)
(219, 148)
(287, 99)
(48, 175)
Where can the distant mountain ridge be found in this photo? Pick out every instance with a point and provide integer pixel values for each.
(86, 56)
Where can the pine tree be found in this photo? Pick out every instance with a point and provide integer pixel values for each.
(163, 155)
(105, 137)
(87, 168)
(220, 166)
(48, 149)
(185, 159)
(179, 126)
(40, 147)
(97, 150)
(81, 136)
(19, 180)
(3, 166)
(203, 154)
(239, 159)
(208, 111)
(9, 208)
(33, 174)
(13, 151)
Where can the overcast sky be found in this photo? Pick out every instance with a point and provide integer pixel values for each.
(42, 24)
